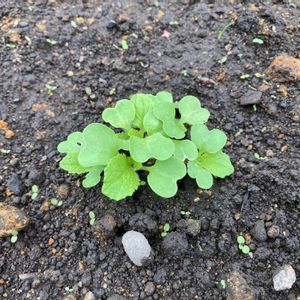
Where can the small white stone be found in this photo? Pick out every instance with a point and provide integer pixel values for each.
(136, 247)
(284, 278)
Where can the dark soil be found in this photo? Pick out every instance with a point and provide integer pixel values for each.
(59, 246)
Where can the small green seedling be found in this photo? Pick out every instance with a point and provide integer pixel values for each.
(10, 46)
(14, 237)
(166, 230)
(70, 73)
(241, 242)
(184, 73)
(4, 151)
(257, 41)
(223, 60)
(254, 107)
(244, 76)
(51, 42)
(185, 213)
(257, 156)
(92, 217)
(88, 91)
(68, 289)
(154, 135)
(74, 24)
(223, 284)
(227, 26)
(34, 192)
(50, 89)
(56, 202)
(124, 44)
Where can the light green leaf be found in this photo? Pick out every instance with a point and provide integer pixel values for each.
(121, 116)
(216, 163)
(70, 164)
(191, 111)
(203, 177)
(101, 144)
(92, 177)
(185, 149)
(166, 113)
(120, 179)
(73, 143)
(35, 188)
(208, 140)
(167, 227)
(163, 176)
(154, 146)
(14, 238)
(151, 124)
(241, 240)
(164, 97)
(143, 104)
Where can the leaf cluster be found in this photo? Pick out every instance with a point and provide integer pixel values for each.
(154, 134)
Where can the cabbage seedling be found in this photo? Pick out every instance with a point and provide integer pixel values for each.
(154, 135)
(241, 242)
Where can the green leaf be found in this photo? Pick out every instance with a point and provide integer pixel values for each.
(35, 188)
(73, 144)
(164, 234)
(143, 104)
(120, 179)
(14, 238)
(163, 176)
(151, 124)
(92, 177)
(54, 201)
(166, 113)
(101, 144)
(216, 163)
(258, 41)
(164, 97)
(34, 196)
(154, 146)
(124, 44)
(185, 149)
(88, 90)
(245, 249)
(70, 164)
(191, 111)
(121, 116)
(240, 239)
(208, 140)
(92, 215)
(167, 227)
(203, 177)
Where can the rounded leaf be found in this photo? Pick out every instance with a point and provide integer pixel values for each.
(121, 116)
(151, 123)
(92, 178)
(163, 176)
(73, 143)
(164, 97)
(185, 149)
(203, 177)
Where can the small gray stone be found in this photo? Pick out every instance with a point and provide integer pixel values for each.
(105, 226)
(14, 183)
(137, 247)
(175, 243)
(273, 231)
(116, 297)
(251, 97)
(284, 278)
(260, 231)
(190, 226)
(89, 296)
(149, 288)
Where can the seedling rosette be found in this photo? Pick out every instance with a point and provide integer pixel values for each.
(152, 136)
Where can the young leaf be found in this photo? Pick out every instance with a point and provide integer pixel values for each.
(208, 140)
(143, 104)
(73, 143)
(167, 227)
(101, 144)
(163, 176)
(166, 113)
(216, 163)
(121, 116)
(203, 177)
(191, 111)
(164, 97)
(151, 124)
(245, 249)
(154, 146)
(92, 177)
(185, 149)
(240, 239)
(120, 179)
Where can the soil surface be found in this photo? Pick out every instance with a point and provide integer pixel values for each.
(70, 45)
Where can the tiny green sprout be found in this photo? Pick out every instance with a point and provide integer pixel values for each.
(174, 23)
(185, 213)
(240, 55)
(223, 284)
(257, 41)
(166, 230)
(124, 44)
(257, 156)
(254, 107)
(74, 24)
(92, 217)
(34, 192)
(14, 236)
(258, 75)
(51, 42)
(227, 26)
(244, 76)
(50, 88)
(88, 90)
(241, 244)
(4, 151)
(113, 91)
(70, 73)
(223, 60)
(30, 7)
(56, 202)
(10, 46)
(28, 39)
(184, 73)
(68, 289)
(240, 131)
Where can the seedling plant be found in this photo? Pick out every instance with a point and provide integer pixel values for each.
(153, 135)
(242, 246)
(166, 229)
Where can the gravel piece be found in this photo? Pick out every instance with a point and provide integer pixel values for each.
(260, 231)
(284, 278)
(273, 231)
(14, 183)
(251, 97)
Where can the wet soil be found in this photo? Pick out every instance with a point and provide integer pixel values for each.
(69, 45)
